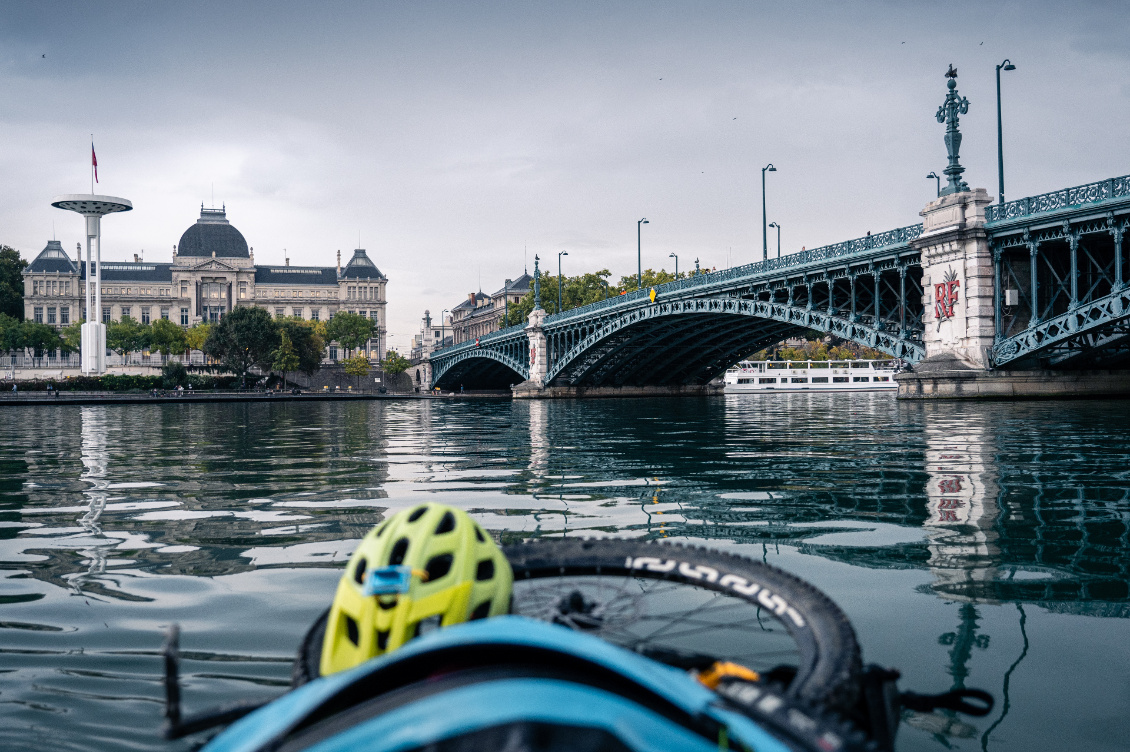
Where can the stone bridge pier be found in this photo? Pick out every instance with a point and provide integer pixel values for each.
(965, 298)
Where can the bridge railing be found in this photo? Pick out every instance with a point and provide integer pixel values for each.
(1067, 198)
(486, 338)
(898, 236)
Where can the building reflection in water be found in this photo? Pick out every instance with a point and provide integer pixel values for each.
(95, 461)
(961, 505)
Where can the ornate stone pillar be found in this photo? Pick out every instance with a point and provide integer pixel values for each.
(539, 361)
(957, 280)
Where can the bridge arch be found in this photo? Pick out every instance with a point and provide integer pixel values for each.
(484, 366)
(693, 340)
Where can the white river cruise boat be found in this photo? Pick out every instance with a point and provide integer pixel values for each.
(811, 376)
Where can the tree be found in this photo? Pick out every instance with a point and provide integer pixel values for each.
(167, 338)
(126, 336)
(395, 363)
(349, 330)
(575, 291)
(651, 278)
(196, 336)
(174, 374)
(357, 366)
(72, 336)
(11, 283)
(242, 340)
(39, 337)
(11, 334)
(307, 339)
(284, 358)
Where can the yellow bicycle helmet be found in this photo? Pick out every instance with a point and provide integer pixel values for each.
(428, 566)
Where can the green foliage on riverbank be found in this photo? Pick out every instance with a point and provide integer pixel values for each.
(116, 382)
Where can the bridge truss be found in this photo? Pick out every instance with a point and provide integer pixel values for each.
(866, 290)
(1060, 273)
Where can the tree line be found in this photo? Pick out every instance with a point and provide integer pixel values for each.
(583, 289)
(245, 339)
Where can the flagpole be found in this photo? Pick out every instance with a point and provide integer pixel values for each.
(91, 164)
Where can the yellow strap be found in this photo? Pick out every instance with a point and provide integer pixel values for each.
(712, 676)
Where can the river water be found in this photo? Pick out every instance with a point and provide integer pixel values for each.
(978, 545)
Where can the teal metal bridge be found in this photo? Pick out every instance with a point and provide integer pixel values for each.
(1061, 301)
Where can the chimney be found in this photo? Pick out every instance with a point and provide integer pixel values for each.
(135, 258)
(471, 297)
(339, 262)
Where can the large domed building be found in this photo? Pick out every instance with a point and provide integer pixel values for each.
(213, 270)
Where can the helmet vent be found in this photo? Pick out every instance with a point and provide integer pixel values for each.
(481, 611)
(479, 535)
(438, 566)
(359, 571)
(382, 640)
(351, 630)
(485, 570)
(446, 525)
(417, 514)
(399, 551)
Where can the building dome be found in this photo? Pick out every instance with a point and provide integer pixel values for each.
(212, 235)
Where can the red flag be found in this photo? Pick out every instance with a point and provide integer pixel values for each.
(94, 161)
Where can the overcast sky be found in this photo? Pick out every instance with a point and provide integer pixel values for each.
(452, 136)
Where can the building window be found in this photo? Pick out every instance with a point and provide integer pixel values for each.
(373, 315)
(315, 315)
(126, 310)
(145, 315)
(184, 317)
(242, 290)
(165, 313)
(65, 315)
(51, 315)
(362, 314)
(184, 289)
(105, 314)
(35, 287)
(296, 312)
(38, 314)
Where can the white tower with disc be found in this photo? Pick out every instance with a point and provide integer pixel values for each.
(93, 331)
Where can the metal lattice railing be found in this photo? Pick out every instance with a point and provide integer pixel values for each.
(896, 237)
(1064, 199)
(899, 236)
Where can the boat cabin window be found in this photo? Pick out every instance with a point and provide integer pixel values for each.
(819, 379)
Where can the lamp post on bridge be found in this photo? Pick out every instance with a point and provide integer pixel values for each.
(676, 257)
(764, 232)
(938, 179)
(1006, 65)
(559, 255)
(774, 224)
(442, 324)
(948, 112)
(639, 254)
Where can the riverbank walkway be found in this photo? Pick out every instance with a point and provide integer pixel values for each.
(13, 399)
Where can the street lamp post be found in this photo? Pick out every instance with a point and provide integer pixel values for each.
(639, 254)
(774, 224)
(1006, 65)
(764, 232)
(674, 256)
(559, 255)
(442, 324)
(938, 179)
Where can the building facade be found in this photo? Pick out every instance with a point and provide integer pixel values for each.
(212, 270)
(482, 314)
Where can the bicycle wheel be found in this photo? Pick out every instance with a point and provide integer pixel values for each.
(680, 605)
(688, 606)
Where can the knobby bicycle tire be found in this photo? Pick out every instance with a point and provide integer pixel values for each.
(829, 667)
